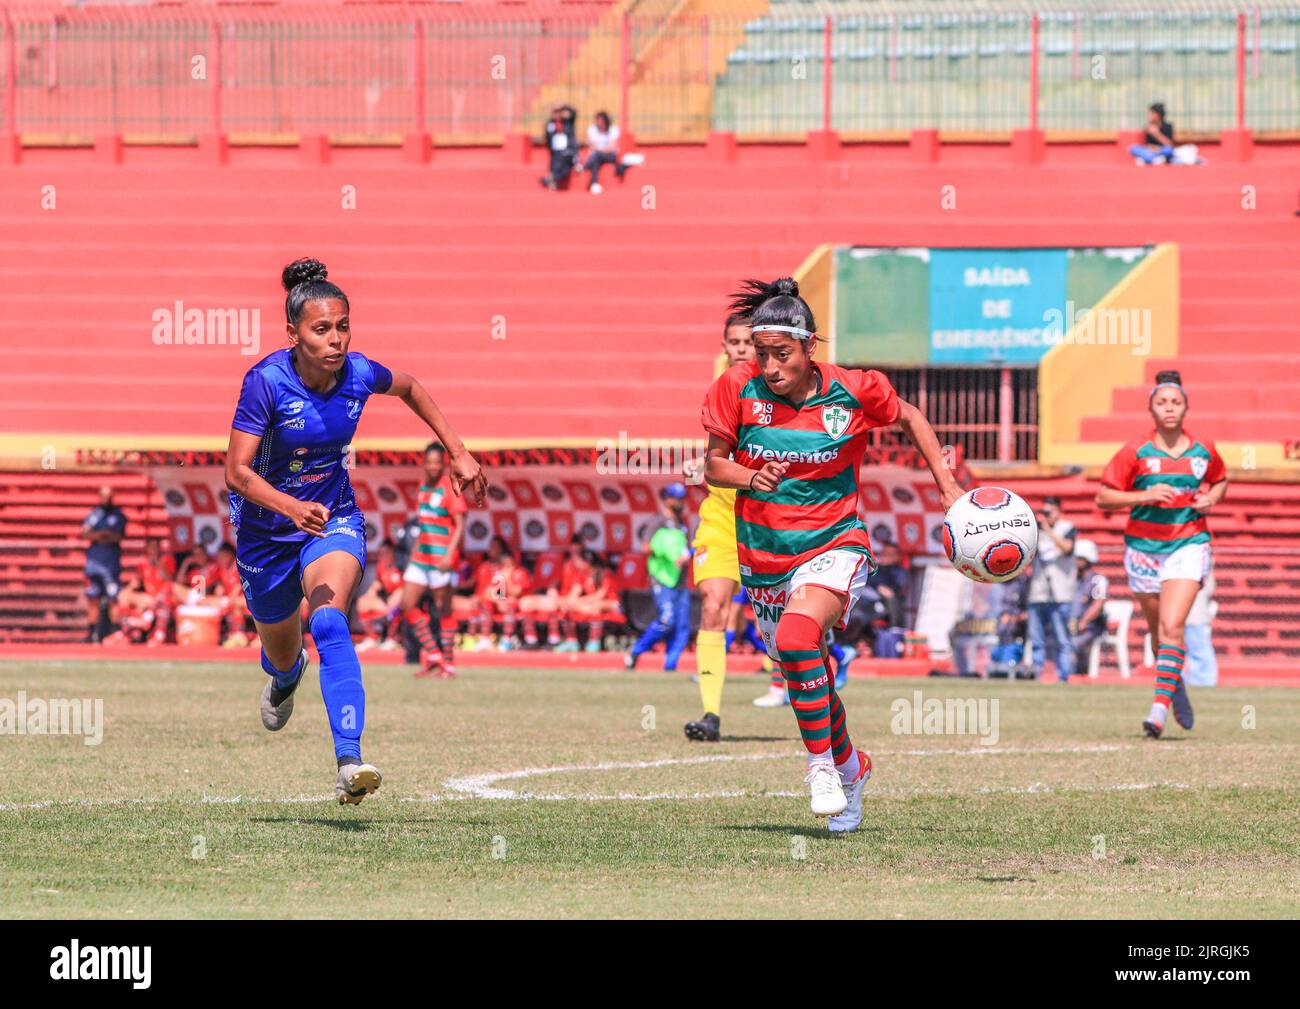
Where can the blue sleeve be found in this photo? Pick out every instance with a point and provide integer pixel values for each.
(256, 404)
(381, 378)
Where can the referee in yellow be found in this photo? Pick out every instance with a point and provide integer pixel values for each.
(717, 571)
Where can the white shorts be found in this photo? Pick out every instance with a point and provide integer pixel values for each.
(430, 578)
(843, 571)
(1146, 571)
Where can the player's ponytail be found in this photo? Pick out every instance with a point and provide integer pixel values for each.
(775, 307)
(304, 280)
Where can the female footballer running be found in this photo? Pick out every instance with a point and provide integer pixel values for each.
(789, 433)
(1170, 480)
(301, 533)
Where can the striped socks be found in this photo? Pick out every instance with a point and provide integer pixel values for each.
(798, 646)
(1169, 672)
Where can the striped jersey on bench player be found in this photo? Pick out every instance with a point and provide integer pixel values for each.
(815, 508)
(437, 505)
(1140, 465)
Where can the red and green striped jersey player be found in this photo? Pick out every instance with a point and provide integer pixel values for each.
(440, 514)
(789, 434)
(1170, 480)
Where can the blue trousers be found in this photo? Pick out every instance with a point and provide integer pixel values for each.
(1053, 619)
(673, 622)
(1146, 154)
(1202, 669)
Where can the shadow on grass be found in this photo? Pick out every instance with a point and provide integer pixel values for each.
(316, 821)
(818, 833)
(1006, 879)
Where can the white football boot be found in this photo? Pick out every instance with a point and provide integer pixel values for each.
(828, 797)
(775, 697)
(1155, 721)
(355, 782)
(852, 815)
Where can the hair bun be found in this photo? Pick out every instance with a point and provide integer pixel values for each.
(786, 285)
(302, 271)
(1164, 377)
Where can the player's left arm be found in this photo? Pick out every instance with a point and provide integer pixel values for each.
(918, 430)
(465, 470)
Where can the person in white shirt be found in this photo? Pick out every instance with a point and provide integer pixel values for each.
(602, 147)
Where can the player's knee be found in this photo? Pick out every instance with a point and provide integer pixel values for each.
(1171, 633)
(329, 626)
(713, 613)
(798, 632)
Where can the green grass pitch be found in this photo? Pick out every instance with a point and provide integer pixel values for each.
(573, 793)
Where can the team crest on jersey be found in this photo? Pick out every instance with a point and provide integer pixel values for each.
(1199, 466)
(835, 419)
(354, 409)
(762, 412)
(1153, 465)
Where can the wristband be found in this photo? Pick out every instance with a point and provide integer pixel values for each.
(753, 478)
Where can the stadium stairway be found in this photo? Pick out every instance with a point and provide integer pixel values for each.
(42, 553)
(586, 315)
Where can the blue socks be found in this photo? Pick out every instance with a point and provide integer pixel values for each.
(283, 680)
(340, 680)
(729, 639)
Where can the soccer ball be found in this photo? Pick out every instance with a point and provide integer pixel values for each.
(990, 534)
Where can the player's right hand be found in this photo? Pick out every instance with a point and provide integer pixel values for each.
(1161, 494)
(769, 477)
(310, 517)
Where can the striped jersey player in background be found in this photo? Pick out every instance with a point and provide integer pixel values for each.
(440, 514)
(789, 433)
(1170, 480)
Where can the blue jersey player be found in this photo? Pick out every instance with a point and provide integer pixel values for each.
(301, 534)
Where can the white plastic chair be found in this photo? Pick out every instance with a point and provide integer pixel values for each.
(1118, 612)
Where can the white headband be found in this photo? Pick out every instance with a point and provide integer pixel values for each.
(794, 331)
(1167, 385)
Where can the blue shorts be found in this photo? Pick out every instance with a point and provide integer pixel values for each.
(102, 580)
(271, 571)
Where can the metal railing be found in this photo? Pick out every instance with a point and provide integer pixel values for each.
(479, 72)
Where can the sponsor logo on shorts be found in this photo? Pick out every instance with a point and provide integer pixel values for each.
(249, 567)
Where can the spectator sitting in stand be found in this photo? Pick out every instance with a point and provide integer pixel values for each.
(148, 598)
(379, 608)
(602, 148)
(1157, 147)
(561, 140)
(499, 584)
(891, 581)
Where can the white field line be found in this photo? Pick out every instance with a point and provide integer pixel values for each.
(484, 786)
